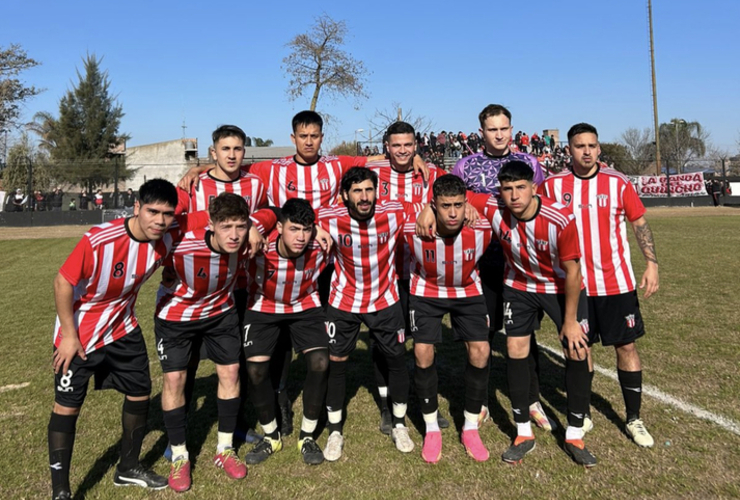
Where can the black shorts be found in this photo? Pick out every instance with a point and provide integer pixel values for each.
(122, 365)
(469, 318)
(615, 319)
(492, 282)
(403, 299)
(523, 311)
(176, 340)
(386, 327)
(307, 330)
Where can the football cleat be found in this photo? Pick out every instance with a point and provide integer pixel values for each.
(639, 434)
(431, 452)
(578, 452)
(229, 461)
(334, 446)
(403, 441)
(386, 422)
(474, 446)
(179, 479)
(518, 449)
(263, 450)
(311, 452)
(139, 476)
(538, 416)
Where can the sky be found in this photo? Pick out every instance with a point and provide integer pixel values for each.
(553, 64)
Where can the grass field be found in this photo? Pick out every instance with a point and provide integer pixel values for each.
(691, 352)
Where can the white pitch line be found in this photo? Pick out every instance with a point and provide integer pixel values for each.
(724, 422)
(13, 387)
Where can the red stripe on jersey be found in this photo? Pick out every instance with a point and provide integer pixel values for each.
(107, 269)
(206, 280)
(364, 279)
(601, 204)
(405, 187)
(445, 268)
(281, 285)
(249, 187)
(318, 183)
(534, 249)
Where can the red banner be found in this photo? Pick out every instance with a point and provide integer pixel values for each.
(681, 185)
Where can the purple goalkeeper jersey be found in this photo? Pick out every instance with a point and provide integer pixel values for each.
(480, 171)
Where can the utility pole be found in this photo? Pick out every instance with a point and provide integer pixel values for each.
(655, 91)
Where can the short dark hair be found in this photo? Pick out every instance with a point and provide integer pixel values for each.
(158, 191)
(297, 211)
(306, 118)
(356, 175)
(515, 171)
(227, 206)
(225, 131)
(399, 128)
(492, 110)
(582, 128)
(449, 185)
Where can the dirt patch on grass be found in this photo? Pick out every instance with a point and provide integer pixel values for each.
(43, 232)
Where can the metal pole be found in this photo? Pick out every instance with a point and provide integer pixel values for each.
(29, 183)
(655, 91)
(115, 186)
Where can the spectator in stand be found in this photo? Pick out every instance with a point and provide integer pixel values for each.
(716, 191)
(39, 201)
(442, 142)
(84, 200)
(99, 199)
(17, 200)
(535, 141)
(524, 143)
(129, 198)
(546, 140)
(424, 144)
(432, 142)
(57, 198)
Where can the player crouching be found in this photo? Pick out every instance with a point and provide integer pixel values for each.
(202, 309)
(284, 297)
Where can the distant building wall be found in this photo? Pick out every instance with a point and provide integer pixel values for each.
(166, 160)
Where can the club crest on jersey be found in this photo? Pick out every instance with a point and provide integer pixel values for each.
(630, 319)
(383, 237)
(469, 253)
(248, 199)
(602, 200)
(505, 236)
(542, 245)
(401, 334)
(584, 326)
(324, 184)
(417, 187)
(308, 273)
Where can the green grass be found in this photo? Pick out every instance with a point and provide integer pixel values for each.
(690, 352)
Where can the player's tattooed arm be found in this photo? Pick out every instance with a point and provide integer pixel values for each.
(645, 240)
(650, 281)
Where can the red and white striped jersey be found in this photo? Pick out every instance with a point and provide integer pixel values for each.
(249, 187)
(206, 279)
(365, 277)
(445, 268)
(534, 249)
(318, 183)
(107, 268)
(282, 285)
(601, 204)
(405, 187)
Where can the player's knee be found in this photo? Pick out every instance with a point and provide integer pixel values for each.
(478, 354)
(424, 355)
(258, 371)
(317, 360)
(338, 359)
(228, 373)
(517, 347)
(175, 381)
(65, 410)
(627, 350)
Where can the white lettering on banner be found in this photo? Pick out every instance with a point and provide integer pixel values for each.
(681, 185)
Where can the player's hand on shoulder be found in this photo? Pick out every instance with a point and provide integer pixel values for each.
(255, 243)
(323, 237)
(69, 347)
(471, 215)
(426, 223)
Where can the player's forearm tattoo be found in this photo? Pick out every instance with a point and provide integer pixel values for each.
(645, 241)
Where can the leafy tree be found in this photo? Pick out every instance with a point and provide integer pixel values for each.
(44, 125)
(22, 157)
(682, 142)
(13, 92)
(86, 132)
(344, 148)
(618, 156)
(318, 63)
(259, 143)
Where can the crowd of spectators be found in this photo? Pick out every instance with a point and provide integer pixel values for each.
(53, 201)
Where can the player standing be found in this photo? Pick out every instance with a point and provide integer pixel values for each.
(480, 171)
(97, 333)
(365, 235)
(284, 299)
(602, 199)
(444, 279)
(542, 274)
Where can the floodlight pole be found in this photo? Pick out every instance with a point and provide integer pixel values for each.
(655, 91)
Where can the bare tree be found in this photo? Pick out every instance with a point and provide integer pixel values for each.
(318, 63)
(384, 118)
(639, 149)
(13, 92)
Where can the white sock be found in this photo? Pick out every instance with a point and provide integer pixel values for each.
(524, 430)
(399, 411)
(270, 428)
(309, 426)
(334, 416)
(383, 392)
(180, 451)
(573, 433)
(225, 440)
(471, 421)
(430, 419)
